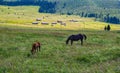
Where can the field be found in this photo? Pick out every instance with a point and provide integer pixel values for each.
(100, 53)
(25, 15)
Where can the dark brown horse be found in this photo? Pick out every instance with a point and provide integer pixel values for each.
(76, 38)
(35, 47)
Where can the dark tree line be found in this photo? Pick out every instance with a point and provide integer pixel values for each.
(106, 18)
(111, 19)
(17, 3)
(45, 6)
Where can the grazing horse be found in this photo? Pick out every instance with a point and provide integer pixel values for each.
(35, 47)
(76, 38)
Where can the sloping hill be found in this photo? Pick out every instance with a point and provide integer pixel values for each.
(26, 15)
(102, 10)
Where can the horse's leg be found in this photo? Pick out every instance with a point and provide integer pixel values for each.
(36, 49)
(32, 51)
(81, 41)
(71, 42)
(39, 48)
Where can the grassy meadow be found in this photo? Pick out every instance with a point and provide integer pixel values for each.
(100, 53)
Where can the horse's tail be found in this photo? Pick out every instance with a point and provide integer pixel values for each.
(67, 41)
(84, 36)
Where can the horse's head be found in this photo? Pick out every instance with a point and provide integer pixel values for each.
(66, 42)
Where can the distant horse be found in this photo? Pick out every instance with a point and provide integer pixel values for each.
(35, 47)
(76, 38)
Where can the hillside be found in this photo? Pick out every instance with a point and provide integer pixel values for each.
(102, 10)
(100, 52)
(27, 15)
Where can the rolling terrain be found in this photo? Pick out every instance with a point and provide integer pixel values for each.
(103, 10)
(100, 53)
(26, 15)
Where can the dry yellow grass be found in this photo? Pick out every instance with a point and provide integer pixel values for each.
(25, 15)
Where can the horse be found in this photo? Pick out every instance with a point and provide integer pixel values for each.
(35, 47)
(76, 38)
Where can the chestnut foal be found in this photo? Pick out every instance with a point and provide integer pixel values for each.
(35, 47)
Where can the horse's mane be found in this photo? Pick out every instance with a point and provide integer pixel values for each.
(85, 37)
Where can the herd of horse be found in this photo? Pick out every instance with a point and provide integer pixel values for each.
(37, 45)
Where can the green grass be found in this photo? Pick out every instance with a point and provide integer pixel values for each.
(99, 54)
